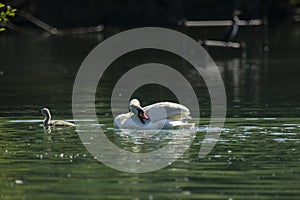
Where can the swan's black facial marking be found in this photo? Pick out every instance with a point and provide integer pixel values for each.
(141, 120)
(142, 115)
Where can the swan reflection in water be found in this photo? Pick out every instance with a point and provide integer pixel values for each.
(142, 141)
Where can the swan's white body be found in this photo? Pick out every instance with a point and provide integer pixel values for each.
(163, 115)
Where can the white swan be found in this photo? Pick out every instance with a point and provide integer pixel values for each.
(164, 115)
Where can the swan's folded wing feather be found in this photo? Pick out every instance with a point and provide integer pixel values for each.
(167, 110)
(60, 123)
(120, 120)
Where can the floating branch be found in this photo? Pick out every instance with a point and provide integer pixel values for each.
(217, 43)
(46, 27)
(38, 22)
(253, 22)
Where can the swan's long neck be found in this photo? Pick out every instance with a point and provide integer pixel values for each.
(47, 118)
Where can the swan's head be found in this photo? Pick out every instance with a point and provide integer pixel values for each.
(135, 107)
(45, 112)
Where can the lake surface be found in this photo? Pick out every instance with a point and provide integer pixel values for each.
(256, 156)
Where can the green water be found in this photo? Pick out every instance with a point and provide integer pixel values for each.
(256, 157)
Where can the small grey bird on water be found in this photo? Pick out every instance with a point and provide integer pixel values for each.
(48, 122)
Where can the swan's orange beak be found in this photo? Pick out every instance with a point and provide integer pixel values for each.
(142, 115)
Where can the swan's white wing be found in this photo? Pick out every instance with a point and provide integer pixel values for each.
(166, 110)
(124, 121)
(130, 121)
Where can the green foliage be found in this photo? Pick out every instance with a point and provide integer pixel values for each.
(6, 11)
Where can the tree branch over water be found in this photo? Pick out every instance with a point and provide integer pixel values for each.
(7, 12)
